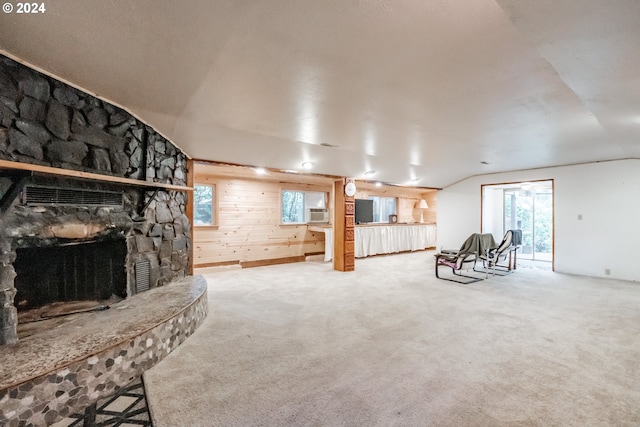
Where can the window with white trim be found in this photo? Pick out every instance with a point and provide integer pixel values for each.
(204, 205)
(383, 207)
(295, 205)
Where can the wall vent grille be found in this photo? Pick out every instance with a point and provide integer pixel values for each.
(143, 275)
(41, 195)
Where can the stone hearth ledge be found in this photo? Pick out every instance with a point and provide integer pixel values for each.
(60, 371)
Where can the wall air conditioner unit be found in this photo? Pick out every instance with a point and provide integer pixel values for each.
(318, 215)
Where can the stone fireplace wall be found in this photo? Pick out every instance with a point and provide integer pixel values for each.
(46, 122)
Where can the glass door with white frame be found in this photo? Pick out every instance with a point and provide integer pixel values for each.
(524, 206)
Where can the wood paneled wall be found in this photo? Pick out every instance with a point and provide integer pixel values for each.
(248, 229)
(407, 200)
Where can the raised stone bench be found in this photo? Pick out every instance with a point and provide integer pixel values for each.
(57, 372)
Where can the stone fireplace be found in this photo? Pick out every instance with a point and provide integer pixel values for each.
(93, 271)
(66, 234)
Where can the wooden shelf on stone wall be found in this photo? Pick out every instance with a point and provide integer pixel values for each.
(7, 164)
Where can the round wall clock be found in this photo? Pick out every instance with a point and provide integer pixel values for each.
(350, 189)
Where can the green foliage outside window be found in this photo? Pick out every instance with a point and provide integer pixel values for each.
(292, 206)
(520, 204)
(295, 205)
(203, 205)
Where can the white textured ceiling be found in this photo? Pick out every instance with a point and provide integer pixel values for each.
(413, 89)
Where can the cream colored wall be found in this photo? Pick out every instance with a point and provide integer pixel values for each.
(596, 208)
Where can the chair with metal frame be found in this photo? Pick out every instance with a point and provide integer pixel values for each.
(493, 257)
(465, 258)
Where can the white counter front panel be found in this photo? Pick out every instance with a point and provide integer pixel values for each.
(383, 239)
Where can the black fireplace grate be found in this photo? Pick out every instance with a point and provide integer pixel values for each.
(35, 195)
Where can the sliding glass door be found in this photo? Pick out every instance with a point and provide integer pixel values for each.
(529, 209)
(522, 206)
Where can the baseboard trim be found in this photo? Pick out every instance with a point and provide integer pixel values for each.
(314, 253)
(217, 264)
(274, 261)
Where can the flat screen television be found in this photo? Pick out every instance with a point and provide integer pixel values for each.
(364, 211)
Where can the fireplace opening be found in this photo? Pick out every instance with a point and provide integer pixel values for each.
(69, 273)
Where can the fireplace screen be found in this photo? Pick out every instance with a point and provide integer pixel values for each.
(74, 272)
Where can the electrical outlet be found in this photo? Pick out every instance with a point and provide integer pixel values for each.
(607, 272)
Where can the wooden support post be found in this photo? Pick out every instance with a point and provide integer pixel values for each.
(190, 208)
(344, 231)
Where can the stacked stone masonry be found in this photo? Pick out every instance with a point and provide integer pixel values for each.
(46, 122)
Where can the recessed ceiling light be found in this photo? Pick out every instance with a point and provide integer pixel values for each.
(378, 184)
(260, 171)
(307, 165)
(484, 162)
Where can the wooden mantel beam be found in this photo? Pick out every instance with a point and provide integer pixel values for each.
(7, 164)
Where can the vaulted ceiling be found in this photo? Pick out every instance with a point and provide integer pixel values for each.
(423, 92)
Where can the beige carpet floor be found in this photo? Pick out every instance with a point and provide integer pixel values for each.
(390, 345)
